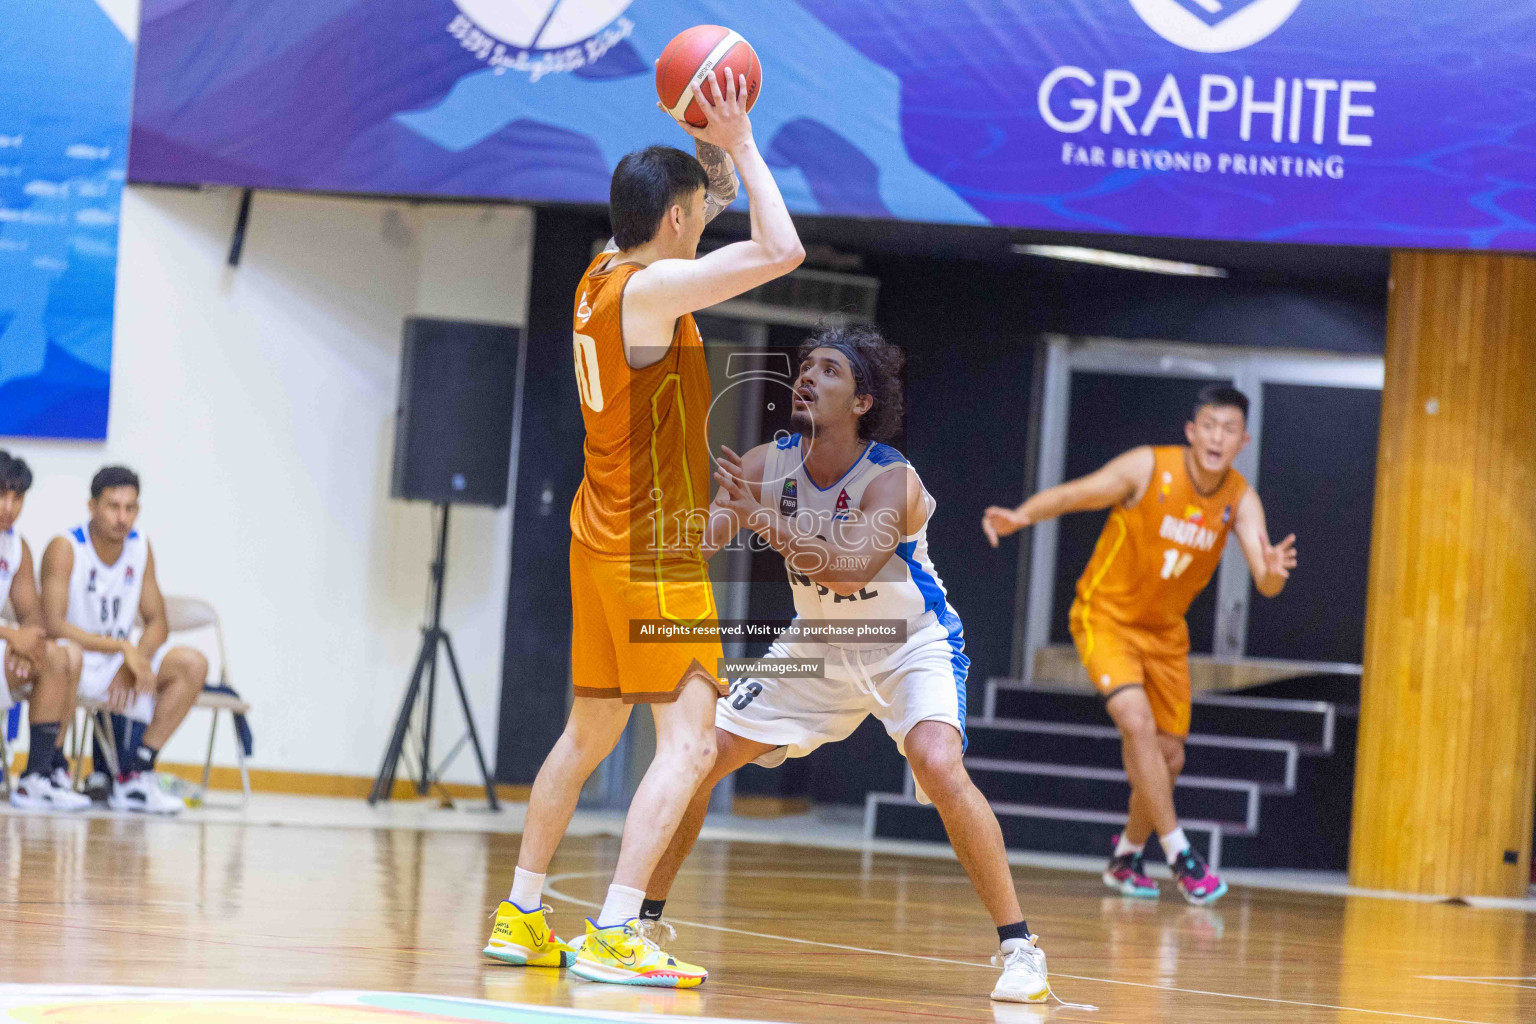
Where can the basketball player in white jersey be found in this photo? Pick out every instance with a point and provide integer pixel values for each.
(31, 658)
(98, 579)
(830, 497)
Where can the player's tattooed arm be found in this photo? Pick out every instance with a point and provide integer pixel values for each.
(721, 191)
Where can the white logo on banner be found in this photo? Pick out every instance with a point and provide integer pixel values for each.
(543, 24)
(540, 37)
(1246, 25)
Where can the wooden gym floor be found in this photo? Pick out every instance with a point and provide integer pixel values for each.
(790, 934)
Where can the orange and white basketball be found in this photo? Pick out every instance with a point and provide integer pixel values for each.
(695, 54)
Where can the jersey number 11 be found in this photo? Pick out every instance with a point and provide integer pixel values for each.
(1175, 562)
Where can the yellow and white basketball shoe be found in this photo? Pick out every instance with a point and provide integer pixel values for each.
(626, 955)
(524, 939)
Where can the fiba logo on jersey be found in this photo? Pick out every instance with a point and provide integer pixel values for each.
(540, 37)
(1211, 26)
(789, 500)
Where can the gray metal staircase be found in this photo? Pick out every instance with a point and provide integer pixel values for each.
(1048, 761)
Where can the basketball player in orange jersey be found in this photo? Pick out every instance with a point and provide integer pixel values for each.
(1173, 508)
(637, 522)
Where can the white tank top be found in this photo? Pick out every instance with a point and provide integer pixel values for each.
(10, 562)
(906, 587)
(104, 599)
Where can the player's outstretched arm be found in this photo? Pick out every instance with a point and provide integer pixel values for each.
(58, 561)
(667, 289)
(1116, 482)
(721, 171)
(1270, 564)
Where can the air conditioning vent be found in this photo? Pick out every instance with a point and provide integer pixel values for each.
(804, 298)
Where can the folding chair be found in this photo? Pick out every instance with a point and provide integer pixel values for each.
(188, 613)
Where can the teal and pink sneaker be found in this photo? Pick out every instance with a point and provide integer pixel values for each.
(1127, 875)
(1200, 885)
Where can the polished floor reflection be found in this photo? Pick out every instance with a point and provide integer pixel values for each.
(789, 933)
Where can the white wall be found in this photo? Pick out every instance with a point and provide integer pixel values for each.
(257, 404)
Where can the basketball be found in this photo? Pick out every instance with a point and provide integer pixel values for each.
(693, 55)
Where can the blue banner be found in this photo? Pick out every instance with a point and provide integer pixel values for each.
(64, 104)
(1377, 122)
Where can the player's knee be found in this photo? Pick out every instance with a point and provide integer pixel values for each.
(74, 659)
(1173, 754)
(191, 666)
(57, 660)
(693, 755)
(936, 761)
(1136, 724)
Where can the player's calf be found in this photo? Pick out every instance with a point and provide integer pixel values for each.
(52, 695)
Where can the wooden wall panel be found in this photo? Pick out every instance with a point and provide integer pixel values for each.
(1447, 752)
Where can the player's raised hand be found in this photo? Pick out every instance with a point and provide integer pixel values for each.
(1280, 559)
(726, 110)
(735, 492)
(997, 522)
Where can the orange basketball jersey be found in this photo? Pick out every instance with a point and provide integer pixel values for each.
(1154, 558)
(645, 486)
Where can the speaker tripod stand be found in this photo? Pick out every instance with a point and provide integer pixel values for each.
(432, 635)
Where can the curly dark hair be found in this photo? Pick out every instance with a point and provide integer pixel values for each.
(876, 367)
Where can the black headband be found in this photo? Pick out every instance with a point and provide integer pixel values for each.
(856, 364)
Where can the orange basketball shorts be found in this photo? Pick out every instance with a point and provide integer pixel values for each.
(1157, 660)
(607, 594)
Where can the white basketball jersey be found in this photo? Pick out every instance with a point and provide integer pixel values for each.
(104, 599)
(906, 587)
(10, 562)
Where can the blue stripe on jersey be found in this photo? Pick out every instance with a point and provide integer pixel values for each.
(133, 534)
(78, 533)
(884, 454)
(792, 441)
(935, 601)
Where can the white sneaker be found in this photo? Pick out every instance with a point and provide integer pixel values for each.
(38, 793)
(1024, 977)
(60, 778)
(141, 793)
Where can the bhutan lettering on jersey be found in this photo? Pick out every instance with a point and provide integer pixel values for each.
(1154, 558)
(644, 491)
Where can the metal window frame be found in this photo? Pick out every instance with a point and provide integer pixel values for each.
(1249, 369)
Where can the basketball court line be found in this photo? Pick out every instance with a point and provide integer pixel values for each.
(551, 891)
(1494, 980)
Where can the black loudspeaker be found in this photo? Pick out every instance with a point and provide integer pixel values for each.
(453, 425)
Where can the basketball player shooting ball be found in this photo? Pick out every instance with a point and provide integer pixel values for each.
(1173, 509)
(645, 393)
(850, 516)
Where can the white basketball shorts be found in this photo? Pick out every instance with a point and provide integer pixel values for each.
(922, 680)
(97, 672)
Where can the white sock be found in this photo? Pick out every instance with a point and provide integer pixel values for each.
(1174, 844)
(1125, 846)
(622, 904)
(527, 891)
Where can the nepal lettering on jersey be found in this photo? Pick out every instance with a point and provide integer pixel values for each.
(797, 579)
